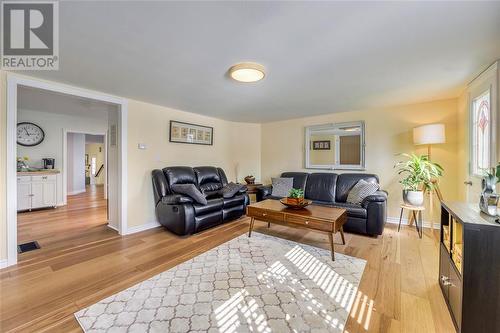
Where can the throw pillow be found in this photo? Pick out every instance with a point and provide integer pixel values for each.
(281, 186)
(231, 189)
(361, 190)
(191, 191)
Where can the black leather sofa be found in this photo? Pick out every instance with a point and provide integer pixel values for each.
(180, 214)
(331, 189)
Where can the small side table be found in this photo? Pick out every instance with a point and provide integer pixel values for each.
(416, 214)
(252, 188)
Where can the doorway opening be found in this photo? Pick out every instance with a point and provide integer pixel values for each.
(67, 161)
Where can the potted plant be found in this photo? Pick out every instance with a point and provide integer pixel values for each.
(295, 196)
(420, 175)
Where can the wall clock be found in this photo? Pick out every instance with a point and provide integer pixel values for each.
(29, 134)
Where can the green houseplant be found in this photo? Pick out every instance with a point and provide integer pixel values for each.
(295, 196)
(420, 175)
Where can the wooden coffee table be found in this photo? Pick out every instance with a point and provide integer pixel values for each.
(318, 218)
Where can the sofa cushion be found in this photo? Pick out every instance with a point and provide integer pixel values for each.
(180, 175)
(191, 191)
(231, 189)
(353, 210)
(234, 201)
(208, 179)
(212, 205)
(299, 179)
(321, 187)
(360, 191)
(281, 186)
(346, 182)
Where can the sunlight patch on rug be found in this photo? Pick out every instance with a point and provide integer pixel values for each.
(258, 284)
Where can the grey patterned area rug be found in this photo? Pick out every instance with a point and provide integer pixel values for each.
(257, 284)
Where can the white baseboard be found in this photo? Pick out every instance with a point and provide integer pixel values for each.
(404, 221)
(113, 227)
(76, 192)
(143, 227)
(4, 263)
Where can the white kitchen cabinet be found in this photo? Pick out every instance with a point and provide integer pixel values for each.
(36, 192)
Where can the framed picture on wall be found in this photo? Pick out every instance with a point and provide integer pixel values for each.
(181, 132)
(321, 145)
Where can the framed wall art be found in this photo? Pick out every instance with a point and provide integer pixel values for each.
(321, 145)
(181, 132)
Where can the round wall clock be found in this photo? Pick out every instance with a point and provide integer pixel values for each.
(29, 134)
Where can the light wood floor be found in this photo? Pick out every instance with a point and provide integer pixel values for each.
(398, 292)
(85, 213)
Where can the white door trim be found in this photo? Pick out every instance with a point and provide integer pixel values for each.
(13, 82)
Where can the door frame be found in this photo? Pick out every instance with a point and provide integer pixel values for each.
(14, 81)
(65, 161)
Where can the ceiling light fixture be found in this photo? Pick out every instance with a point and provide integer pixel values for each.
(247, 72)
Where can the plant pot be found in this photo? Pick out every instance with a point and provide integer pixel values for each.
(413, 198)
(295, 201)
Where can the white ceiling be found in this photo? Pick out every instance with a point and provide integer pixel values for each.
(321, 57)
(47, 101)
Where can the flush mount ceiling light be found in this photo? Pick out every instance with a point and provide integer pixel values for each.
(247, 72)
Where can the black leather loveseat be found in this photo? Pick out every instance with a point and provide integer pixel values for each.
(331, 189)
(180, 213)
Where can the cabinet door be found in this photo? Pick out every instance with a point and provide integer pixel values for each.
(37, 195)
(455, 296)
(23, 196)
(444, 270)
(49, 193)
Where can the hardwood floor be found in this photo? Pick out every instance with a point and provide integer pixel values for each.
(63, 227)
(399, 291)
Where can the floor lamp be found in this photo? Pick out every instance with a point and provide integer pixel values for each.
(429, 135)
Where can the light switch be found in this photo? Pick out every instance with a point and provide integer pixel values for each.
(142, 146)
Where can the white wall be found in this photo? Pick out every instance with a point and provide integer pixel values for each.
(76, 163)
(53, 125)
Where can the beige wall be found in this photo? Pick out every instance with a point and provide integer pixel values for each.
(388, 132)
(236, 146)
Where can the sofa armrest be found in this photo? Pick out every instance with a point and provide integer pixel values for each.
(379, 196)
(263, 192)
(376, 209)
(175, 199)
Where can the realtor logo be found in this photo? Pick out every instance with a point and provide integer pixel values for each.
(30, 35)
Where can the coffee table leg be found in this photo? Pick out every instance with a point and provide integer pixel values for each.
(252, 220)
(330, 238)
(342, 235)
(269, 224)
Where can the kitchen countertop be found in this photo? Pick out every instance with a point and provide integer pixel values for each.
(38, 172)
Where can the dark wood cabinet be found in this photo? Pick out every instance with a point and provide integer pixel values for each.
(469, 267)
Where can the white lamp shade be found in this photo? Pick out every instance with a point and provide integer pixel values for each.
(429, 134)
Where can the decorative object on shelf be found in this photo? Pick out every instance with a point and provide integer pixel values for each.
(321, 145)
(49, 163)
(295, 199)
(420, 175)
(293, 205)
(430, 134)
(29, 134)
(489, 198)
(250, 179)
(22, 163)
(191, 133)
